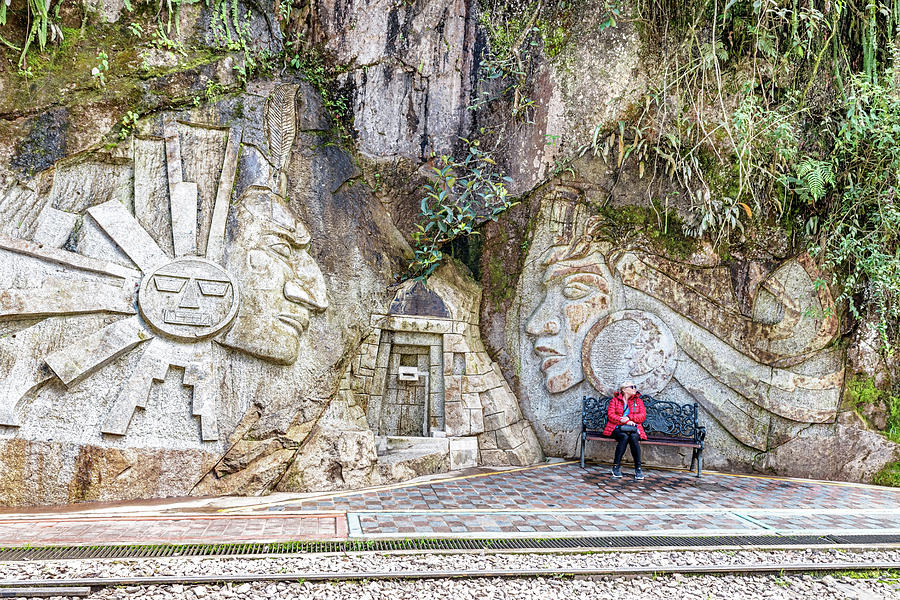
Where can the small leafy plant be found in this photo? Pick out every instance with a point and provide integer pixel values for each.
(461, 195)
(127, 124)
(99, 72)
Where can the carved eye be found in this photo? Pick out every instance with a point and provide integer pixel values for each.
(166, 283)
(281, 249)
(575, 290)
(258, 260)
(213, 288)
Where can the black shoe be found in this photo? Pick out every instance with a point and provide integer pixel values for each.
(638, 474)
(616, 472)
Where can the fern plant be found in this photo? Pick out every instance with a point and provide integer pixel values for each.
(814, 177)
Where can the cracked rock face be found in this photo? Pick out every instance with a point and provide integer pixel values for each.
(180, 314)
(759, 360)
(210, 306)
(411, 69)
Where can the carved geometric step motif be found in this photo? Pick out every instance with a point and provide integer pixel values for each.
(183, 301)
(186, 291)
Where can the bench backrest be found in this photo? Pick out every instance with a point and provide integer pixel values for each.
(663, 417)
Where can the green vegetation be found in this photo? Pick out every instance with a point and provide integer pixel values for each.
(127, 124)
(311, 62)
(779, 111)
(470, 190)
(41, 22)
(515, 29)
(861, 391)
(761, 111)
(889, 475)
(99, 72)
(661, 226)
(460, 195)
(43, 25)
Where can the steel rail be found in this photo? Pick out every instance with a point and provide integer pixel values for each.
(325, 576)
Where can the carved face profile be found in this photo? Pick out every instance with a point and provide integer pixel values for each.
(280, 282)
(576, 295)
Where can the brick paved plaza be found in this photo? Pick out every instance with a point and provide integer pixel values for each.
(552, 500)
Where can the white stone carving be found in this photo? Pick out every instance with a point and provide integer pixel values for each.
(280, 282)
(188, 299)
(629, 344)
(128, 235)
(179, 302)
(579, 292)
(55, 297)
(66, 258)
(215, 245)
(184, 218)
(672, 328)
(54, 227)
(281, 129)
(75, 362)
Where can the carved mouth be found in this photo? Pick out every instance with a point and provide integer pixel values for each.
(293, 321)
(550, 356)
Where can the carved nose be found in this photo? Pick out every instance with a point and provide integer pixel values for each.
(308, 286)
(190, 298)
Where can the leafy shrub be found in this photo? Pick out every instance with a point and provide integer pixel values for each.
(801, 102)
(461, 195)
(888, 476)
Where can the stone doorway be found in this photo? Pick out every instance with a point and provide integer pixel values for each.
(409, 379)
(404, 410)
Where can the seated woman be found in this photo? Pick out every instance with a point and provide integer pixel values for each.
(624, 416)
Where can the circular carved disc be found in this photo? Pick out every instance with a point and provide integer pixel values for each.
(188, 299)
(629, 344)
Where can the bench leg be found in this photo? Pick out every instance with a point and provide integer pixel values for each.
(693, 459)
(583, 440)
(699, 462)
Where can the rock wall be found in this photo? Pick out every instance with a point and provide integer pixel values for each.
(206, 301)
(751, 342)
(187, 299)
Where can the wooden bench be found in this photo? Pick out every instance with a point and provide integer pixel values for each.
(667, 424)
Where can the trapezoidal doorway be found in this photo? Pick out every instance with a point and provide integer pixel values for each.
(404, 410)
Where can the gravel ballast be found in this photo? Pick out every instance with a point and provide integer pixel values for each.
(840, 585)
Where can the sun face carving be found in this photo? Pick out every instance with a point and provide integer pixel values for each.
(188, 299)
(173, 308)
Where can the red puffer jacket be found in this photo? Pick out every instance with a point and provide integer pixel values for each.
(637, 412)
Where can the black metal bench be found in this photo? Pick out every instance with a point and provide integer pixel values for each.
(667, 424)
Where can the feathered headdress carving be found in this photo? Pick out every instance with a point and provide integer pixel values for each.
(281, 129)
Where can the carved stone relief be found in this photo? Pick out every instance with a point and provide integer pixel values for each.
(280, 282)
(604, 315)
(249, 287)
(437, 327)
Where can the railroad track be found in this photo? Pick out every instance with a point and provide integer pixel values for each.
(87, 585)
(630, 542)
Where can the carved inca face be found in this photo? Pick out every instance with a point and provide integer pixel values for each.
(280, 282)
(577, 295)
(175, 304)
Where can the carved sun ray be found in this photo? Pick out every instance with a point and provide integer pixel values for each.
(176, 304)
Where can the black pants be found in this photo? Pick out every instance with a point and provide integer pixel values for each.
(627, 439)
